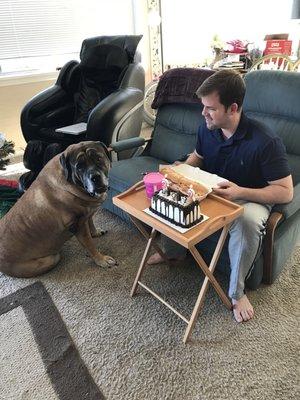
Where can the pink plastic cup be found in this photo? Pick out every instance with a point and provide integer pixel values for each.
(153, 183)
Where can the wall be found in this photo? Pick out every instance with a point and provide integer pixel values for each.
(14, 94)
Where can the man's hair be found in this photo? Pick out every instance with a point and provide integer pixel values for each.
(229, 85)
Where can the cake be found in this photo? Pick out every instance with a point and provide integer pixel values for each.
(179, 200)
(176, 207)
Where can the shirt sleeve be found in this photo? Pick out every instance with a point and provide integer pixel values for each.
(274, 161)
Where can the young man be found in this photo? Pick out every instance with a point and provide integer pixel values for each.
(253, 160)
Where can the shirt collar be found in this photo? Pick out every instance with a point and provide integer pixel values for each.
(241, 130)
(239, 134)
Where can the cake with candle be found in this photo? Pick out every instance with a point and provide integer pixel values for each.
(179, 199)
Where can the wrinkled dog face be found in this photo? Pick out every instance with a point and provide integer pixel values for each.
(87, 166)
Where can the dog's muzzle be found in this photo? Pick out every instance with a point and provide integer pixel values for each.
(96, 185)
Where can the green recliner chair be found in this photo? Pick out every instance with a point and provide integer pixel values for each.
(272, 97)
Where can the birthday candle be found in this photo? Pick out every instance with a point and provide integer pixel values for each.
(191, 193)
(165, 184)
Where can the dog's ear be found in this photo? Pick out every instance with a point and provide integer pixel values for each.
(106, 150)
(64, 162)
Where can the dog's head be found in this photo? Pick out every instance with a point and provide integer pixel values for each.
(86, 165)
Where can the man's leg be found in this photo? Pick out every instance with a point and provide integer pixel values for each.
(246, 234)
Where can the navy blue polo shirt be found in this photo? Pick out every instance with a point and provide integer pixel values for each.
(251, 157)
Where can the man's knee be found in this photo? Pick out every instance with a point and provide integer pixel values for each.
(253, 219)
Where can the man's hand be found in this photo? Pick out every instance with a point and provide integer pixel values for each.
(276, 192)
(178, 162)
(228, 190)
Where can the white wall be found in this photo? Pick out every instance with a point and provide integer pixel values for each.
(14, 94)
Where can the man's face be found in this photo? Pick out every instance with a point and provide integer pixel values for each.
(215, 114)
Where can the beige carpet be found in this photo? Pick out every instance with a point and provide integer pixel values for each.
(23, 374)
(132, 347)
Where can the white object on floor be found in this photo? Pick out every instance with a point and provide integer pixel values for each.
(13, 169)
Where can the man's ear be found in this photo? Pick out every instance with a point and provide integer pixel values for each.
(234, 107)
(64, 162)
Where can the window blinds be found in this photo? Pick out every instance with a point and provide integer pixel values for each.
(34, 28)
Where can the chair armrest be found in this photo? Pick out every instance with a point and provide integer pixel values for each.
(69, 77)
(42, 105)
(106, 116)
(46, 100)
(274, 219)
(279, 213)
(128, 144)
(55, 96)
(287, 210)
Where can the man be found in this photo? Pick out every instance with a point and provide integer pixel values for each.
(253, 161)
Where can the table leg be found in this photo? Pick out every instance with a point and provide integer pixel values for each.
(146, 235)
(143, 262)
(208, 271)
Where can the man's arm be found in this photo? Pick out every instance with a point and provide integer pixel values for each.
(194, 159)
(277, 192)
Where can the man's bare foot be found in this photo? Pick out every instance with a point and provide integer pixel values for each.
(242, 309)
(156, 258)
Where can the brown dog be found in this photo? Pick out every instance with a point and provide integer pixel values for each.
(59, 204)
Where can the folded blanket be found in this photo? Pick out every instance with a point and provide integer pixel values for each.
(9, 194)
(179, 85)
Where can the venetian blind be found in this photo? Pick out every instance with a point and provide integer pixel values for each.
(31, 28)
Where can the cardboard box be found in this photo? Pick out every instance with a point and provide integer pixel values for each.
(278, 47)
(277, 36)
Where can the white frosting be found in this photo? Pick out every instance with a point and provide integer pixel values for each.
(176, 214)
(171, 214)
(163, 208)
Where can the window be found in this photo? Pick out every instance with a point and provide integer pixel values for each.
(188, 26)
(44, 34)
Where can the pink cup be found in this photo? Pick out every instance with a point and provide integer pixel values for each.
(153, 183)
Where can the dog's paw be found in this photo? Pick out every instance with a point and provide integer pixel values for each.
(105, 261)
(98, 233)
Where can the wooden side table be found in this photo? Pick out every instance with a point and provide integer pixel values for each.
(221, 213)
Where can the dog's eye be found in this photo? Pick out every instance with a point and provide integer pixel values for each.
(80, 165)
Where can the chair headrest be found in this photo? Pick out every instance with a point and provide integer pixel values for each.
(104, 56)
(179, 85)
(277, 91)
(126, 42)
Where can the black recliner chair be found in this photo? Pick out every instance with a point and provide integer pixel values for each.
(105, 90)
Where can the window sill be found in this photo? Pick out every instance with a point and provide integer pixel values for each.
(20, 78)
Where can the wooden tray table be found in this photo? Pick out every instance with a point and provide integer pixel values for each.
(221, 213)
